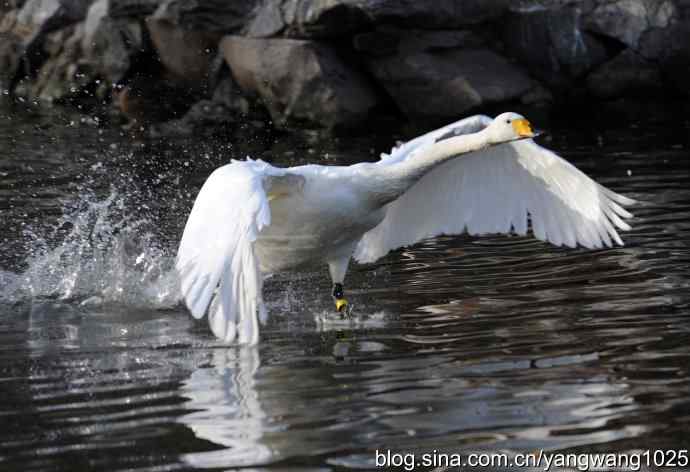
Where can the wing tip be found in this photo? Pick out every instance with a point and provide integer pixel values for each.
(618, 198)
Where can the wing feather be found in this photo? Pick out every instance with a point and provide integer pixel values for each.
(216, 262)
(498, 190)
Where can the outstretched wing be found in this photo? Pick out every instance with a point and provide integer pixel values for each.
(217, 250)
(496, 190)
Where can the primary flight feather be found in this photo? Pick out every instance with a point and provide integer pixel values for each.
(477, 175)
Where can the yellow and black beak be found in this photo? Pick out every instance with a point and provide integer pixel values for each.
(523, 128)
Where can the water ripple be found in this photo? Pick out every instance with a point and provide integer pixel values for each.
(459, 344)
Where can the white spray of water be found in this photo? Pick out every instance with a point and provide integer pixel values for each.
(104, 255)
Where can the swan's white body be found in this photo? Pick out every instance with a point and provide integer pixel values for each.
(251, 218)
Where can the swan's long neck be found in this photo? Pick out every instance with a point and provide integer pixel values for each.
(394, 179)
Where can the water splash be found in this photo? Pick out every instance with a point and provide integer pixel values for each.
(103, 254)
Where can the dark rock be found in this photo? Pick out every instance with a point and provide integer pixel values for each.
(445, 83)
(439, 14)
(11, 51)
(206, 117)
(550, 41)
(23, 35)
(52, 81)
(132, 8)
(333, 18)
(5, 7)
(228, 93)
(432, 60)
(300, 81)
(377, 43)
(683, 9)
(387, 41)
(323, 18)
(111, 45)
(66, 77)
(537, 96)
(145, 99)
(147, 90)
(40, 17)
(266, 20)
(11, 4)
(627, 20)
(35, 13)
(207, 15)
(628, 74)
(668, 48)
(227, 110)
(186, 54)
(7, 20)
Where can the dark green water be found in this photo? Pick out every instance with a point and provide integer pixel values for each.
(460, 344)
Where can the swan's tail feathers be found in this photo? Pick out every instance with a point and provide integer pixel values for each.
(216, 260)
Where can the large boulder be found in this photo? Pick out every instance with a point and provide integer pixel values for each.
(65, 76)
(207, 15)
(6, 5)
(684, 9)
(551, 42)
(132, 8)
(439, 14)
(185, 35)
(300, 81)
(668, 48)
(23, 34)
(308, 18)
(332, 18)
(386, 41)
(51, 15)
(110, 44)
(146, 99)
(186, 54)
(11, 53)
(266, 20)
(442, 75)
(226, 111)
(627, 20)
(625, 75)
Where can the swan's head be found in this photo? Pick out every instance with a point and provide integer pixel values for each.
(509, 127)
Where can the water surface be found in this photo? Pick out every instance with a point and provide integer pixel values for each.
(459, 344)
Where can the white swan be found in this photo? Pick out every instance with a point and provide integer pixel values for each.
(476, 175)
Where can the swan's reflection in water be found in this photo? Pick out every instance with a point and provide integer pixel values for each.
(229, 411)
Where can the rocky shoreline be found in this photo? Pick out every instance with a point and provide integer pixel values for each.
(338, 64)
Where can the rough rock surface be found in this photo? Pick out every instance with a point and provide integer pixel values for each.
(332, 18)
(300, 81)
(550, 41)
(132, 8)
(207, 15)
(111, 44)
(445, 75)
(341, 63)
(439, 14)
(387, 41)
(627, 20)
(23, 33)
(65, 76)
(187, 54)
(626, 74)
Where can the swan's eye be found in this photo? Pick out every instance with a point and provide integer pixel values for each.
(508, 121)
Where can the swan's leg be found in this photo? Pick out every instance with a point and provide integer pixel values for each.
(341, 304)
(338, 269)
